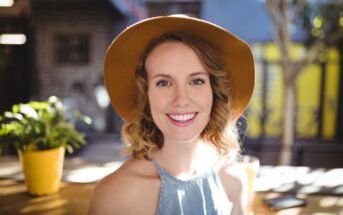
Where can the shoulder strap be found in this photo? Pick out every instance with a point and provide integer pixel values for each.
(158, 167)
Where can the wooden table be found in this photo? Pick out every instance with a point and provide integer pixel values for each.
(79, 179)
(73, 197)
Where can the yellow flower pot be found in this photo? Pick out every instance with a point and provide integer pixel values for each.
(42, 170)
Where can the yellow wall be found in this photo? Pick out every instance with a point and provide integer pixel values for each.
(331, 95)
(274, 101)
(308, 88)
(308, 98)
(255, 108)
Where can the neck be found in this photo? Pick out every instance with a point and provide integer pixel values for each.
(185, 159)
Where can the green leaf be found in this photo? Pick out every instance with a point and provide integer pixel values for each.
(28, 111)
(40, 125)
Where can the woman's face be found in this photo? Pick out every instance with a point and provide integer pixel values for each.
(179, 91)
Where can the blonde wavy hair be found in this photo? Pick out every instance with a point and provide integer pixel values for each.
(141, 136)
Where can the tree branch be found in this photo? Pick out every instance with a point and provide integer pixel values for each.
(315, 52)
(278, 14)
(333, 38)
(299, 7)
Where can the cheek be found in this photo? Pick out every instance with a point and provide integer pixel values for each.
(151, 101)
(207, 99)
(156, 101)
(209, 103)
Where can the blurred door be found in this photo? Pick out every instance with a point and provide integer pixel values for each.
(15, 65)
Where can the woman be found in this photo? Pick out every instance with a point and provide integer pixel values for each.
(180, 83)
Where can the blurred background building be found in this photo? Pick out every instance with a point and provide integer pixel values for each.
(63, 52)
(63, 44)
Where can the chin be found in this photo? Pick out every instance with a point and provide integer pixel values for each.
(185, 139)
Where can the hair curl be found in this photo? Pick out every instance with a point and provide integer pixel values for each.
(141, 136)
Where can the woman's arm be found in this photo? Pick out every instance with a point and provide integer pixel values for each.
(234, 181)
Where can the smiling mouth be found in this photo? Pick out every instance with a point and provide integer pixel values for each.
(182, 117)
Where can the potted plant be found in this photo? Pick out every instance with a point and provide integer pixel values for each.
(40, 132)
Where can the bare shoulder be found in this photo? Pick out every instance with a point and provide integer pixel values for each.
(136, 183)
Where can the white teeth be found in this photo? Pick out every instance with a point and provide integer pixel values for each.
(182, 118)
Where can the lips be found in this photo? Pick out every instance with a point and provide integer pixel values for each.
(183, 119)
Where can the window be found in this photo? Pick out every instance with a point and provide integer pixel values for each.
(71, 49)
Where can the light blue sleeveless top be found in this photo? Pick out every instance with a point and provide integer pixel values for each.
(200, 195)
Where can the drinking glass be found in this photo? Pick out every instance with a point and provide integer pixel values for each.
(251, 165)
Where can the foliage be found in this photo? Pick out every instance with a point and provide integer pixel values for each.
(40, 126)
(320, 19)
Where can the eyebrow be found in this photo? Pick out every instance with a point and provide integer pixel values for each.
(192, 74)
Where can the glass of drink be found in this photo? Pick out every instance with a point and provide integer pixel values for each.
(251, 165)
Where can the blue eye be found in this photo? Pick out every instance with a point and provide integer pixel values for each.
(163, 83)
(197, 81)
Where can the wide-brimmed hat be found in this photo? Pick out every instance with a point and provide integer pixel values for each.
(124, 55)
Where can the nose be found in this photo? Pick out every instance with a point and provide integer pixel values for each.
(181, 96)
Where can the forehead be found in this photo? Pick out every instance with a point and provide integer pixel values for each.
(169, 48)
(173, 56)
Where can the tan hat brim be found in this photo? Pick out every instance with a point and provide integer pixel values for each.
(124, 53)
